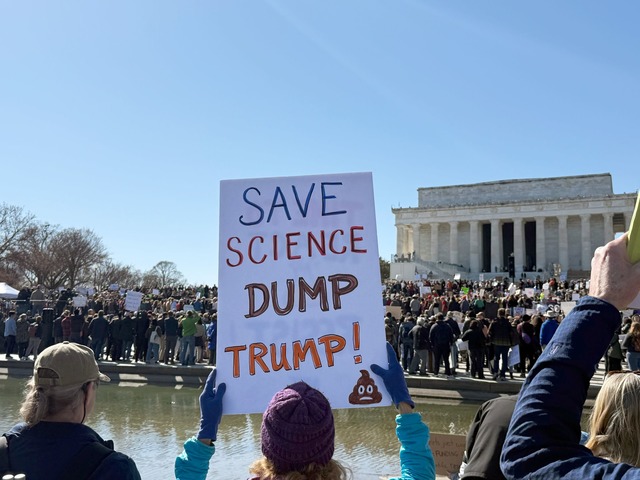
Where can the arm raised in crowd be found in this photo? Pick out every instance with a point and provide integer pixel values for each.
(544, 434)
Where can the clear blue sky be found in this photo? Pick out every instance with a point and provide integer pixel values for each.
(123, 116)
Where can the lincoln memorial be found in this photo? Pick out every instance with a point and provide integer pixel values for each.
(546, 226)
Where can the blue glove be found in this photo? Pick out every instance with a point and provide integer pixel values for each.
(211, 407)
(393, 378)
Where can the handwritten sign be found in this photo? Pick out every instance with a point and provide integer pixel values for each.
(299, 290)
(447, 452)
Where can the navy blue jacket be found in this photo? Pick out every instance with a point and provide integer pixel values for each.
(44, 451)
(544, 436)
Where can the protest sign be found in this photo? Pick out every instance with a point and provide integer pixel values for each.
(299, 290)
(529, 292)
(155, 291)
(396, 311)
(132, 301)
(188, 308)
(514, 356)
(79, 301)
(447, 452)
(114, 286)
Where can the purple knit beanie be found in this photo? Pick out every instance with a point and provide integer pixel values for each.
(297, 428)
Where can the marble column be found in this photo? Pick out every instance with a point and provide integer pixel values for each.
(434, 241)
(518, 244)
(587, 252)
(399, 239)
(415, 240)
(608, 227)
(453, 243)
(541, 251)
(496, 254)
(563, 243)
(474, 246)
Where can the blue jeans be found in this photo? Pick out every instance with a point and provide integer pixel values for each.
(633, 360)
(407, 355)
(187, 347)
(126, 349)
(500, 351)
(96, 346)
(153, 352)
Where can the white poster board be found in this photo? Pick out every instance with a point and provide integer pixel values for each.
(529, 292)
(299, 290)
(155, 291)
(79, 301)
(132, 301)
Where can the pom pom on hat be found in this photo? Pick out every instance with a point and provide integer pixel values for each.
(298, 428)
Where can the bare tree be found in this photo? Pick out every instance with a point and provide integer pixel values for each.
(166, 274)
(34, 257)
(109, 273)
(14, 223)
(77, 251)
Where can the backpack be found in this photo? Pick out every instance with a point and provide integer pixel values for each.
(81, 466)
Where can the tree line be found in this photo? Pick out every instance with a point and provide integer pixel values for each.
(38, 253)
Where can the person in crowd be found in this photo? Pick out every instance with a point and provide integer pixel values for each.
(614, 418)
(200, 337)
(481, 460)
(632, 345)
(115, 336)
(58, 332)
(98, 331)
(501, 334)
(476, 340)
(153, 349)
(302, 415)
(22, 335)
(65, 322)
(127, 334)
(455, 328)
(10, 334)
(53, 441)
(406, 341)
(142, 324)
(527, 344)
(614, 356)
(548, 328)
(171, 337)
(421, 347)
(441, 338)
(35, 336)
(212, 338)
(77, 324)
(37, 300)
(543, 437)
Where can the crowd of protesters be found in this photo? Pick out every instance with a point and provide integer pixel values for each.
(175, 325)
(486, 320)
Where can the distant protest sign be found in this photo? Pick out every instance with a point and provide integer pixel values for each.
(79, 301)
(447, 451)
(132, 301)
(299, 290)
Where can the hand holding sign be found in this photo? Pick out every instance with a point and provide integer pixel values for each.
(393, 379)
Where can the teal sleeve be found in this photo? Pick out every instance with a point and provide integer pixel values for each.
(416, 459)
(193, 462)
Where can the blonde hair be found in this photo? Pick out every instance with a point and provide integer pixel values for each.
(614, 422)
(41, 402)
(265, 470)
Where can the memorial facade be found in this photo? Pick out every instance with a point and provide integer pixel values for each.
(550, 226)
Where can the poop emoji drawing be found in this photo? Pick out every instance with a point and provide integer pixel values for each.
(365, 391)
